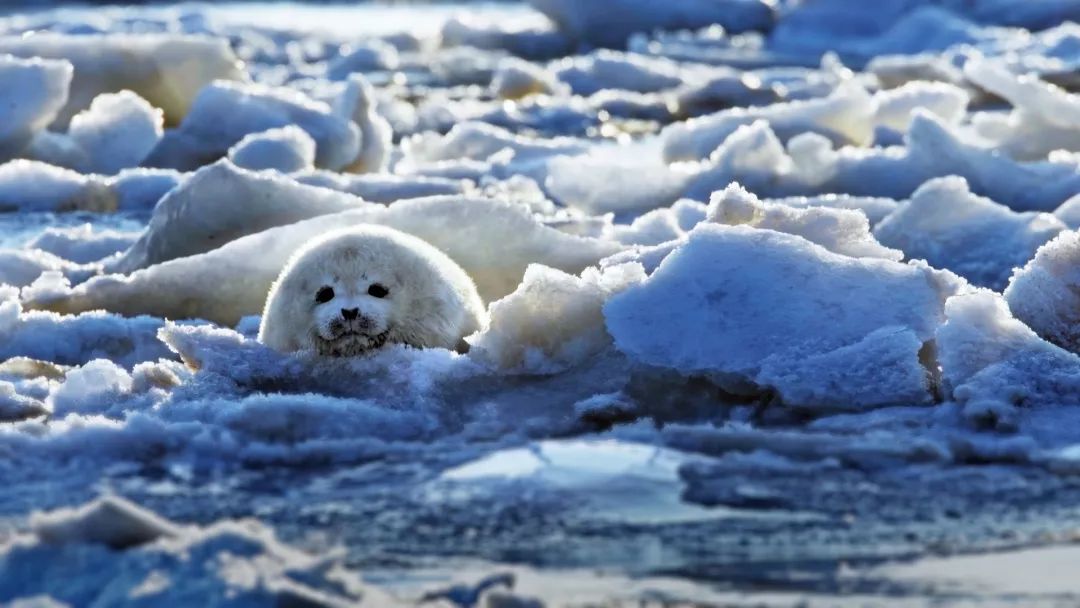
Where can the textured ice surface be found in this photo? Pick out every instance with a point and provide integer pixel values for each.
(739, 276)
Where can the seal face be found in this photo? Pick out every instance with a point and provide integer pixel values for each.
(354, 291)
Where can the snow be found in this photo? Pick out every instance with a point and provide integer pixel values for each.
(287, 149)
(224, 112)
(771, 285)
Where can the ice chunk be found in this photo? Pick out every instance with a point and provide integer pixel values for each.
(894, 107)
(590, 21)
(231, 282)
(224, 112)
(838, 230)
(141, 189)
(770, 310)
(90, 389)
(621, 179)
(34, 186)
(110, 521)
(884, 368)
(604, 69)
(516, 78)
(357, 103)
(949, 227)
(874, 208)
(1050, 103)
(21, 267)
(220, 203)
(1045, 118)
(1045, 293)
(844, 116)
(116, 132)
(384, 188)
(991, 362)
(367, 56)
(74, 340)
(552, 321)
(32, 93)
(479, 141)
(166, 70)
(286, 149)
(530, 36)
(14, 407)
(114, 551)
(755, 158)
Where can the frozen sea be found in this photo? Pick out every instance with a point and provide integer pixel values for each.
(776, 319)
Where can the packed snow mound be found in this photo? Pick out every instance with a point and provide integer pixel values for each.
(992, 363)
(591, 21)
(27, 185)
(841, 231)
(167, 70)
(772, 311)
(32, 93)
(228, 283)
(111, 551)
(357, 102)
(552, 321)
(116, 132)
(1045, 293)
(221, 203)
(224, 112)
(286, 149)
(978, 239)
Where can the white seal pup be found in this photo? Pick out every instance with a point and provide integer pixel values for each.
(355, 290)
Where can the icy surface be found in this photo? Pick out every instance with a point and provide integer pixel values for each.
(782, 297)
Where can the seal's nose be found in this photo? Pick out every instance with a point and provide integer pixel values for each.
(350, 313)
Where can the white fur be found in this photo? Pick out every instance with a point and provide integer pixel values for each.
(431, 302)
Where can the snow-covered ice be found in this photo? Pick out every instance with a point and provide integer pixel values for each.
(779, 294)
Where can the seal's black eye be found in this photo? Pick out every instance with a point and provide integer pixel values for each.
(325, 294)
(377, 291)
